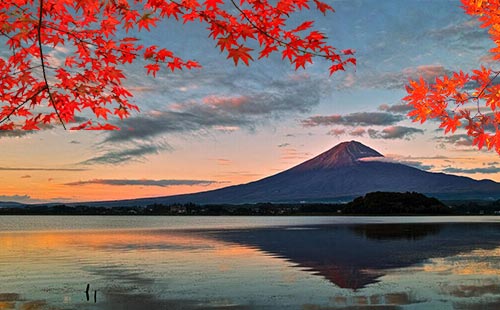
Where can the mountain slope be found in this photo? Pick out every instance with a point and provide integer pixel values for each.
(340, 173)
(11, 204)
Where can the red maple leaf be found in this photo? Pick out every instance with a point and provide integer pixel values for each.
(240, 53)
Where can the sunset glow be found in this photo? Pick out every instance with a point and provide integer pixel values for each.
(223, 125)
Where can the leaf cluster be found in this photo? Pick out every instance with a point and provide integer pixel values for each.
(459, 100)
(38, 89)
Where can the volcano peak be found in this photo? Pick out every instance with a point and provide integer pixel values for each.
(343, 154)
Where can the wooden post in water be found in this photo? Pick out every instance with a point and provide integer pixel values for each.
(87, 291)
(95, 296)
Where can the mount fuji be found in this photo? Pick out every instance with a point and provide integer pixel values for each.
(347, 170)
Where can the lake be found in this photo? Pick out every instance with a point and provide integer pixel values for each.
(307, 263)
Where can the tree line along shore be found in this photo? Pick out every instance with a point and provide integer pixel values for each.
(377, 203)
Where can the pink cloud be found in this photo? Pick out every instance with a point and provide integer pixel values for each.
(227, 128)
(358, 132)
(225, 101)
(428, 72)
(336, 132)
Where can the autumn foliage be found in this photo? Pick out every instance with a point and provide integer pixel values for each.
(470, 101)
(85, 87)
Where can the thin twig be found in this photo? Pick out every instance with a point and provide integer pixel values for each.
(279, 40)
(478, 96)
(487, 85)
(39, 28)
(24, 70)
(23, 103)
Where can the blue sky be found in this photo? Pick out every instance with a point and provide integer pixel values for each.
(224, 125)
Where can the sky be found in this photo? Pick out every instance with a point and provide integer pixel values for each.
(223, 125)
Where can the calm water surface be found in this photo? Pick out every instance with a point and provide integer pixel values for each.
(309, 263)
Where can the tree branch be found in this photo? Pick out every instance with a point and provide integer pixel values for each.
(476, 98)
(279, 40)
(489, 83)
(23, 103)
(39, 29)
(22, 71)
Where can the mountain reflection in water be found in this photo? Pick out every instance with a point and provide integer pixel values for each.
(420, 266)
(353, 256)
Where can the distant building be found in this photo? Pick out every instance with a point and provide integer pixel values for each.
(178, 209)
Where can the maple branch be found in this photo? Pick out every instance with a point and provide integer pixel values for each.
(27, 69)
(489, 83)
(13, 49)
(6, 35)
(93, 33)
(279, 40)
(116, 49)
(23, 103)
(21, 71)
(39, 29)
(476, 98)
(70, 33)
